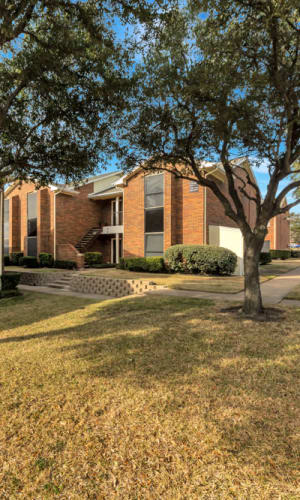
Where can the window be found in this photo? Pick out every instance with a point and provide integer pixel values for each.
(154, 244)
(6, 227)
(194, 187)
(32, 224)
(154, 215)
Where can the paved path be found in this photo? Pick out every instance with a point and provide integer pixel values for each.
(273, 291)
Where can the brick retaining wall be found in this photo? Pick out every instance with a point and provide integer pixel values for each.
(110, 286)
(39, 279)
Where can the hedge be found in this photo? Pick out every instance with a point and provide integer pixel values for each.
(29, 261)
(295, 253)
(200, 259)
(7, 261)
(15, 258)
(65, 264)
(92, 258)
(46, 259)
(143, 264)
(265, 258)
(10, 281)
(280, 254)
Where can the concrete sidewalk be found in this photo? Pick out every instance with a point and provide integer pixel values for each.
(273, 291)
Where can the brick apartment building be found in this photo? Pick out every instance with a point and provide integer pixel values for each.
(139, 214)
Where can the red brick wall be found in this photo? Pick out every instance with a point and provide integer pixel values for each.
(279, 232)
(18, 218)
(134, 217)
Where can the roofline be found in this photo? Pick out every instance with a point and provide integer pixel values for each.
(98, 196)
(99, 177)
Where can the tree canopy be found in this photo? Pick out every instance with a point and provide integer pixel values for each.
(219, 79)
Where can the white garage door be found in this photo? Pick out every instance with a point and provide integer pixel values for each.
(231, 238)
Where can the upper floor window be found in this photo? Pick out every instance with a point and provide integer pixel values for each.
(154, 191)
(194, 187)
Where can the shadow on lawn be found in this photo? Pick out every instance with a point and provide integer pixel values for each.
(242, 375)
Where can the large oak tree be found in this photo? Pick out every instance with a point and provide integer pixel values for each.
(219, 79)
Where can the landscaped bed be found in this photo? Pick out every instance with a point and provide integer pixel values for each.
(147, 397)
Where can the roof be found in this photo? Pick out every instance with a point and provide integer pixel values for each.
(106, 193)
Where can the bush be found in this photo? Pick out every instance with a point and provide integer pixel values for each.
(200, 259)
(10, 281)
(7, 261)
(65, 264)
(15, 258)
(143, 264)
(92, 258)
(295, 253)
(104, 266)
(265, 258)
(31, 262)
(46, 259)
(280, 254)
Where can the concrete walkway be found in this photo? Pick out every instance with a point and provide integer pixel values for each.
(273, 291)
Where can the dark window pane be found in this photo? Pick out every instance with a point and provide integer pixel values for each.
(154, 220)
(32, 206)
(154, 200)
(32, 247)
(32, 227)
(6, 224)
(154, 184)
(6, 246)
(154, 245)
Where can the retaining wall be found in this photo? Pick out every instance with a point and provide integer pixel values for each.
(109, 286)
(39, 279)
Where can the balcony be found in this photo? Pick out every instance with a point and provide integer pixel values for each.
(116, 225)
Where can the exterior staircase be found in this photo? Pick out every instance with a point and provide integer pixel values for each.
(62, 283)
(88, 239)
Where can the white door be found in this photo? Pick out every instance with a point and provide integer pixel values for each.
(231, 238)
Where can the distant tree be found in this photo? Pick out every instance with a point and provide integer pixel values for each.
(62, 80)
(219, 79)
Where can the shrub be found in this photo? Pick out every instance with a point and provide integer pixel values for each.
(65, 264)
(92, 258)
(295, 253)
(15, 258)
(7, 261)
(265, 258)
(200, 259)
(143, 264)
(103, 266)
(31, 262)
(46, 259)
(280, 254)
(10, 281)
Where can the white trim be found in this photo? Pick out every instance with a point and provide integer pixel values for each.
(105, 194)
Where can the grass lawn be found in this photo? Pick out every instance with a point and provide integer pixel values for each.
(278, 267)
(146, 398)
(17, 269)
(294, 294)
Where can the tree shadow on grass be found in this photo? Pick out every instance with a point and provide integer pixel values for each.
(29, 307)
(241, 376)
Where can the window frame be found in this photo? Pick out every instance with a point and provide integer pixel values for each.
(147, 209)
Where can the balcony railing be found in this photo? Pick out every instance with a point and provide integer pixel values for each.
(117, 219)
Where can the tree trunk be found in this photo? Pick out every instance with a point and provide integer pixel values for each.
(1, 235)
(253, 301)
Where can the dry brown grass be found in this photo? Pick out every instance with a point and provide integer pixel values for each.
(146, 398)
(294, 294)
(221, 284)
